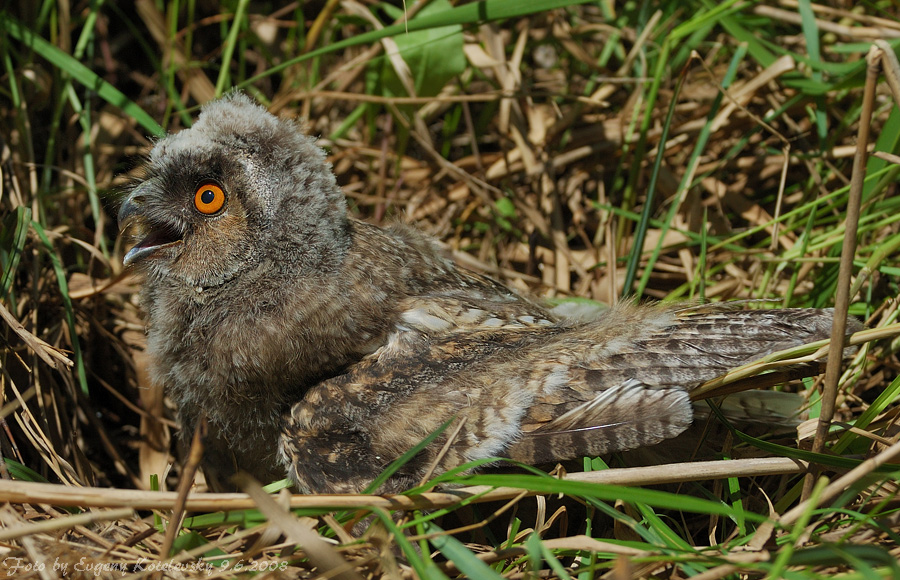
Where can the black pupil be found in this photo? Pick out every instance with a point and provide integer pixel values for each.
(208, 196)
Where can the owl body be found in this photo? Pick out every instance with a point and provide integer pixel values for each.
(532, 392)
(324, 347)
(241, 353)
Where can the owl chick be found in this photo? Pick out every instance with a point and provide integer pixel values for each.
(324, 347)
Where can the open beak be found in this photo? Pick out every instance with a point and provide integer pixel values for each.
(151, 235)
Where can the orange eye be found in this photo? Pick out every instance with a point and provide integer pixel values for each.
(209, 198)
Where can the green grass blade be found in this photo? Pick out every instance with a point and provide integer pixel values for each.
(423, 567)
(884, 399)
(13, 253)
(228, 47)
(611, 493)
(454, 550)
(21, 472)
(787, 550)
(405, 458)
(79, 72)
(683, 187)
(67, 305)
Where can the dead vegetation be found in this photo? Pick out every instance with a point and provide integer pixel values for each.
(544, 149)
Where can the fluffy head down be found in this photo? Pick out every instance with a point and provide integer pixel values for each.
(268, 172)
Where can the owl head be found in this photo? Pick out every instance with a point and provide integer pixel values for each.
(239, 190)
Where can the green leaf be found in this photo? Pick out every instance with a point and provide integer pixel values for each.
(472, 13)
(434, 55)
(456, 552)
(505, 207)
(23, 473)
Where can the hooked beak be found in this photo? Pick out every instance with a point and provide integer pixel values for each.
(151, 235)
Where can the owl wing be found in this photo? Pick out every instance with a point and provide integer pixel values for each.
(640, 393)
(534, 393)
(347, 429)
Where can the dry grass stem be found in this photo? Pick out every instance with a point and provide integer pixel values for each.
(61, 495)
(561, 151)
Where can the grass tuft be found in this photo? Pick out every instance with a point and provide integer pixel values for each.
(576, 150)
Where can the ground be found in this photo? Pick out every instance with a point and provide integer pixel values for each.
(679, 151)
